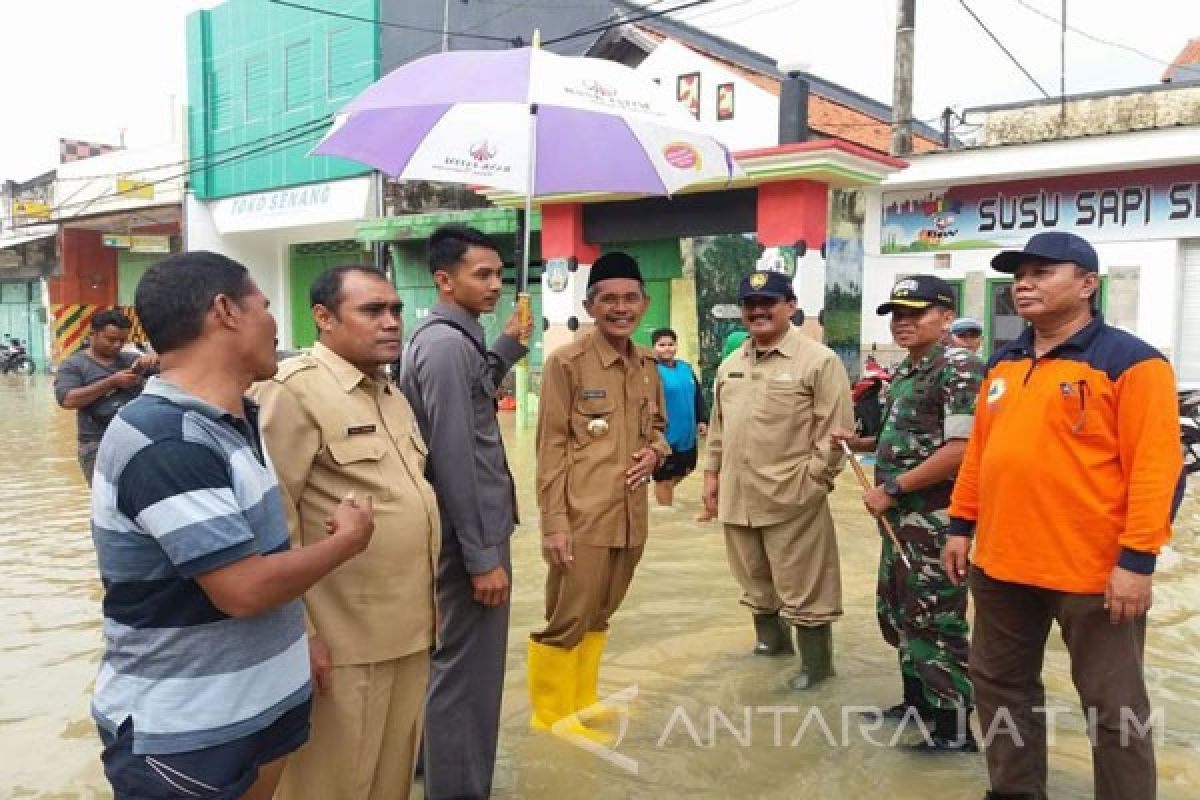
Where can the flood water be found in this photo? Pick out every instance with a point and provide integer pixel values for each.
(708, 720)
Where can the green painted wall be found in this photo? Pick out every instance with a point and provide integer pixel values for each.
(130, 269)
(260, 76)
(22, 315)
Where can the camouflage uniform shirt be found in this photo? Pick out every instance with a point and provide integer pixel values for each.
(930, 403)
(920, 612)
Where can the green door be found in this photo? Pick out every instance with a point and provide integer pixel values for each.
(305, 263)
(658, 315)
(130, 269)
(22, 316)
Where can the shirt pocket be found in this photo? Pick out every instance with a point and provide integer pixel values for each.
(593, 421)
(359, 466)
(920, 414)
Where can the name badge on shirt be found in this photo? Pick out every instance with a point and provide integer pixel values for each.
(360, 429)
(593, 394)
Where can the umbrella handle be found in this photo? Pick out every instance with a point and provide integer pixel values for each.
(866, 485)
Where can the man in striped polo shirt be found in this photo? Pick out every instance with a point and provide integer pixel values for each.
(205, 685)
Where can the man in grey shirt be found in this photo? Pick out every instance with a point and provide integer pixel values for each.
(450, 379)
(98, 379)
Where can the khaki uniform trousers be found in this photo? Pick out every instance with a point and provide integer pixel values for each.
(366, 732)
(790, 567)
(582, 599)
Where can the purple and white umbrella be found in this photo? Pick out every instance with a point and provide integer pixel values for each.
(530, 122)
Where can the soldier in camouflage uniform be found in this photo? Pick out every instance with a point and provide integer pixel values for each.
(926, 425)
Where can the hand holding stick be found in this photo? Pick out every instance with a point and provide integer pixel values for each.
(866, 485)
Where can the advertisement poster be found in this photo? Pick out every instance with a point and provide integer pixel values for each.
(719, 264)
(1142, 204)
(844, 277)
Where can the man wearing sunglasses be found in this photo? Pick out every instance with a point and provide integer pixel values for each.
(1066, 488)
(769, 468)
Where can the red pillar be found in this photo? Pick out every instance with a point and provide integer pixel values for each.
(562, 233)
(791, 211)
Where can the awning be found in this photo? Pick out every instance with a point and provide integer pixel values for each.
(17, 241)
(491, 221)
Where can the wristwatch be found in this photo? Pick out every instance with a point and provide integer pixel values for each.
(892, 488)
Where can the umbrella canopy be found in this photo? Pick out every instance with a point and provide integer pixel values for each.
(465, 117)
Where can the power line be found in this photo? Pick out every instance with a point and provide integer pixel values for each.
(298, 138)
(730, 7)
(384, 23)
(1107, 42)
(1000, 44)
(210, 154)
(626, 21)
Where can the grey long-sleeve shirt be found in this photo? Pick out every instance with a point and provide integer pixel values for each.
(451, 389)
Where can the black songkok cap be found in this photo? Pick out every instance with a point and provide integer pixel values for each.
(614, 265)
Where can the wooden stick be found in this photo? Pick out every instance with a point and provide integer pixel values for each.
(866, 485)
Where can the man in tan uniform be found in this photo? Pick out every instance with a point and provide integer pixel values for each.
(769, 467)
(599, 438)
(334, 425)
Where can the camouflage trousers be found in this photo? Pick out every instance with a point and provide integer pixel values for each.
(921, 613)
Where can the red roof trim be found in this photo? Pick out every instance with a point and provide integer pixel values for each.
(822, 144)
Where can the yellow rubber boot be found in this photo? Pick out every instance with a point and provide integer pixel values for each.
(590, 650)
(553, 676)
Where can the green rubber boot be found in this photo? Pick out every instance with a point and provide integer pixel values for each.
(816, 656)
(773, 637)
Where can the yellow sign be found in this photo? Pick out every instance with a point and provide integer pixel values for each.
(132, 188)
(26, 208)
(150, 244)
(116, 240)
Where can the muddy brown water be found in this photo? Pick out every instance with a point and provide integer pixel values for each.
(707, 721)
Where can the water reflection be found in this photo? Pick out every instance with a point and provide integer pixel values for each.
(681, 639)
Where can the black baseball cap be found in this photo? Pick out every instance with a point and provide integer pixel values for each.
(918, 291)
(765, 284)
(1056, 246)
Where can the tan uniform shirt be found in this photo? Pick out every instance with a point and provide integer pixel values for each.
(331, 430)
(597, 409)
(769, 436)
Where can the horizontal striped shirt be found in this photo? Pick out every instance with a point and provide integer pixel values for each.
(183, 488)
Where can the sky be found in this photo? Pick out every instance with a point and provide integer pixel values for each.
(89, 70)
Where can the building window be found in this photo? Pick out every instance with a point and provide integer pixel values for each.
(341, 67)
(724, 101)
(687, 92)
(255, 89)
(220, 99)
(297, 75)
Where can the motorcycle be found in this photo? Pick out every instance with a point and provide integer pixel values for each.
(1189, 429)
(14, 358)
(868, 394)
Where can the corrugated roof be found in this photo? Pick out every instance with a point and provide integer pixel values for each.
(764, 64)
(1186, 66)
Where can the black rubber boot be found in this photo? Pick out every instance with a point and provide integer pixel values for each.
(816, 656)
(914, 697)
(947, 736)
(773, 636)
(1008, 796)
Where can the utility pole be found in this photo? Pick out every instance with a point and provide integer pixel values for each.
(902, 78)
(445, 25)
